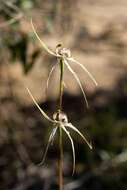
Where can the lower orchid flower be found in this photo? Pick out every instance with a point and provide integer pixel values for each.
(59, 120)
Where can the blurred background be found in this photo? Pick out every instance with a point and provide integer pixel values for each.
(96, 33)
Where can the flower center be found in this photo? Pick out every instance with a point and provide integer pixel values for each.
(63, 51)
(62, 117)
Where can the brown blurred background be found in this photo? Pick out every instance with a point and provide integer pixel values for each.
(96, 34)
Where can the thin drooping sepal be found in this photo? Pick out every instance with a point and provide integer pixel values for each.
(51, 138)
(76, 130)
(78, 81)
(49, 76)
(41, 42)
(72, 144)
(42, 112)
(85, 69)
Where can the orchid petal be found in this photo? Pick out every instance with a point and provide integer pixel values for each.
(42, 112)
(64, 84)
(72, 144)
(85, 69)
(49, 76)
(76, 130)
(53, 135)
(78, 81)
(42, 43)
(51, 138)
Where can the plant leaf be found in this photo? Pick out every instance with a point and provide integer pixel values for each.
(76, 130)
(78, 81)
(85, 69)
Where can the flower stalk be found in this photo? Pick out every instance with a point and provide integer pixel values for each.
(61, 64)
(60, 162)
(61, 88)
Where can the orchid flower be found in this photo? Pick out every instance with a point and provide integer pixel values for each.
(59, 120)
(65, 54)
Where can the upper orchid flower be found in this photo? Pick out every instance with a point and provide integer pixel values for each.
(65, 54)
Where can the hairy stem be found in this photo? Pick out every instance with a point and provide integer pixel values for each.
(61, 62)
(60, 179)
(60, 160)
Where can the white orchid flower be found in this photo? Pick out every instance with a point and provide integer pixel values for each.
(65, 54)
(59, 120)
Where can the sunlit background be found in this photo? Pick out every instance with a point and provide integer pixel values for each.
(96, 33)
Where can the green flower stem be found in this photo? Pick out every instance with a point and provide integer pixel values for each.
(60, 160)
(61, 63)
(60, 180)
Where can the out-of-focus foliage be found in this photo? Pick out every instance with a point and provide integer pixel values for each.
(12, 38)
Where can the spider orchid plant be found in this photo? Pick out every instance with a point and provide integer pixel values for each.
(65, 55)
(59, 120)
